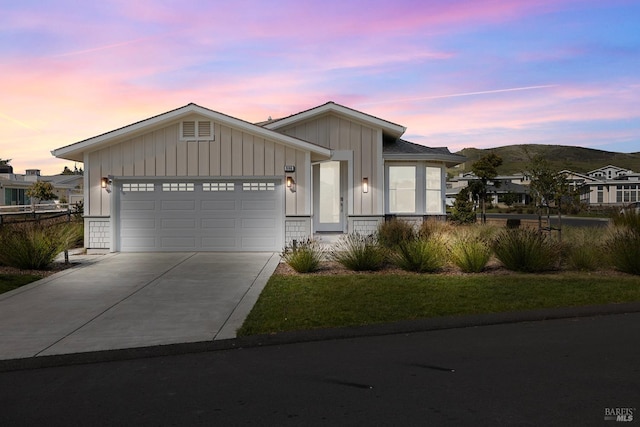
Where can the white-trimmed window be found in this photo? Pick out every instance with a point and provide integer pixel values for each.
(414, 189)
(433, 187)
(191, 130)
(402, 189)
(178, 186)
(218, 186)
(137, 186)
(258, 186)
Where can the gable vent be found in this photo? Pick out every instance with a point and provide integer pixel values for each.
(188, 130)
(191, 130)
(204, 130)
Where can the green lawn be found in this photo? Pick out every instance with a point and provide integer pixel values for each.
(9, 282)
(314, 301)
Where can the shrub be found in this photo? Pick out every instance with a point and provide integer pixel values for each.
(513, 223)
(628, 218)
(394, 232)
(581, 253)
(359, 253)
(433, 228)
(623, 249)
(304, 257)
(420, 255)
(34, 247)
(470, 254)
(526, 250)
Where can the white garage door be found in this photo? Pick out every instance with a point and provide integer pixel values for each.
(228, 215)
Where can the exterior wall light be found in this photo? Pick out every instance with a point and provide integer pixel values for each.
(365, 185)
(291, 184)
(105, 183)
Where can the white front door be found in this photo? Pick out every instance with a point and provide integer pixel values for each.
(329, 200)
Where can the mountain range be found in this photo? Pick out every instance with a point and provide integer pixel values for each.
(576, 159)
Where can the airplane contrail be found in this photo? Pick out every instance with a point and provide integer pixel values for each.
(16, 121)
(110, 46)
(456, 95)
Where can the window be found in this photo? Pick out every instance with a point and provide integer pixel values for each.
(196, 130)
(402, 189)
(218, 186)
(600, 194)
(258, 186)
(434, 190)
(177, 186)
(15, 196)
(137, 186)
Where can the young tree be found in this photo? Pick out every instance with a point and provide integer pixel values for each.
(548, 188)
(40, 191)
(486, 169)
(463, 211)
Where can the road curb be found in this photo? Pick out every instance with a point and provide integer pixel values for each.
(284, 338)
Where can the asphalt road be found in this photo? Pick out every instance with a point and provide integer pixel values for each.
(559, 372)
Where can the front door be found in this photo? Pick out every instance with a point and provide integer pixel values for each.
(329, 200)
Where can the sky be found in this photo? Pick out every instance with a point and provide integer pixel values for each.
(456, 73)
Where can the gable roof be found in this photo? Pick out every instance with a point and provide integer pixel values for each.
(400, 149)
(389, 128)
(76, 151)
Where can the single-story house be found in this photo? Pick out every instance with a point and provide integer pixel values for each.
(516, 185)
(13, 187)
(193, 179)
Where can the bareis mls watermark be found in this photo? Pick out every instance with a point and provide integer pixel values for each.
(619, 414)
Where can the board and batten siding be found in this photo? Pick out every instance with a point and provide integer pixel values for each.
(337, 133)
(232, 153)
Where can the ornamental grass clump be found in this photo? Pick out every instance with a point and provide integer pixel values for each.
(305, 256)
(394, 232)
(628, 218)
(359, 253)
(526, 250)
(420, 255)
(471, 254)
(582, 252)
(33, 246)
(622, 247)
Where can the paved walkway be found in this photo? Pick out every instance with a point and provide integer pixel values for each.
(118, 301)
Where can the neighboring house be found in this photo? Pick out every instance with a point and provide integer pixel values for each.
(195, 179)
(516, 184)
(606, 186)
(13, 187)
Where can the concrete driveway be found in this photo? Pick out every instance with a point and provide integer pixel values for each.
(130, 300)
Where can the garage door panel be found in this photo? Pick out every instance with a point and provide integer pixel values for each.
(178, 223)
(178, 242)
(178, 205)
(135, 224)
(231, 220)
(218, 223)
(264, 223)
(258, 205)
(218, 205)
(139, 205)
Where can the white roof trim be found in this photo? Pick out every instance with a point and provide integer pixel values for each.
(75, 151)
(388, 127)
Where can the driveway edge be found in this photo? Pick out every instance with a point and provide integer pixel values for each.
(402, 327)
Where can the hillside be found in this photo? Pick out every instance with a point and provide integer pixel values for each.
(560, 157)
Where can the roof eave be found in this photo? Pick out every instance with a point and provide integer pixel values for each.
(448, 160)
(390, 128)
(76, 151)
